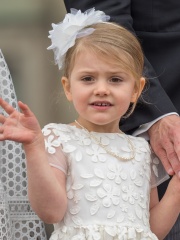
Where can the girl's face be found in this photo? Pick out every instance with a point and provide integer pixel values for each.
(100, 90)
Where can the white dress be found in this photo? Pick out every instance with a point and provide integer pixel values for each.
(108, 199)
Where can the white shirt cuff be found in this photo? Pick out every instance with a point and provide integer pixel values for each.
(142, 130)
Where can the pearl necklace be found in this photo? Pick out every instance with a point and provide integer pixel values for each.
(108, 150)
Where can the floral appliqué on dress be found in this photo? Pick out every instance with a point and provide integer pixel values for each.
(107, 198)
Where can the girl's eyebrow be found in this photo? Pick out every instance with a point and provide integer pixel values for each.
(110, 73)
(115, 71)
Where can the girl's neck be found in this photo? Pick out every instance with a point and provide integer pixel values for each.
(97, 128)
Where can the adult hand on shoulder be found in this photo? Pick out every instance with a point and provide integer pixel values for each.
(165, 142)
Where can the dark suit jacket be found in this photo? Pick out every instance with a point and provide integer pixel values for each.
(157, 25)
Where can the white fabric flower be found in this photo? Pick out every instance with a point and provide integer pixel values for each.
(64, 34)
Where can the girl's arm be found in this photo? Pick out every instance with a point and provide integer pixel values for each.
(164, 214)
(46, 185)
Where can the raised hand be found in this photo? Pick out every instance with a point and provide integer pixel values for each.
(19, 126)
(165, 141)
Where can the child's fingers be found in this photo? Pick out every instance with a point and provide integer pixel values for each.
(8, 108)
(25, 109)
(2, 119)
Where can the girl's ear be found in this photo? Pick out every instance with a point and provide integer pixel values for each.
(137, 92)
(66, 87)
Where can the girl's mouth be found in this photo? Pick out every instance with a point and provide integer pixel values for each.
(103, 104)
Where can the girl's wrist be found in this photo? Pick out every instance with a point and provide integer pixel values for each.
(36, 144)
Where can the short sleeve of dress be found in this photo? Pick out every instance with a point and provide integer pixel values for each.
(158, 172)
(56, 157)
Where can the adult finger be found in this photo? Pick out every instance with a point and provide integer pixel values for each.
(173, 159)
(162, 155)
(174, 155)
(169, 156)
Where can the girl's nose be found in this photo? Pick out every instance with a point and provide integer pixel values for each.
(101, 88)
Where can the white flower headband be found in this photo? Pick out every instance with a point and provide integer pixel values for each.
(64, 34)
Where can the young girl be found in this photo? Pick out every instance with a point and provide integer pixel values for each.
(88, 177)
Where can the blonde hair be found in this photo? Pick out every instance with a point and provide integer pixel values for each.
(112, 42)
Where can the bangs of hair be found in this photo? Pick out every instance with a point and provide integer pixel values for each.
(111, 42)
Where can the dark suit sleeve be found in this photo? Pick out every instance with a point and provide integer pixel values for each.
(154, 101)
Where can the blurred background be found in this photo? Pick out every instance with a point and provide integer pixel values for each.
(24, 30)
(24, 27)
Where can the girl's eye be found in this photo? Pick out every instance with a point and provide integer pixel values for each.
(87, 79)
(116, 79)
